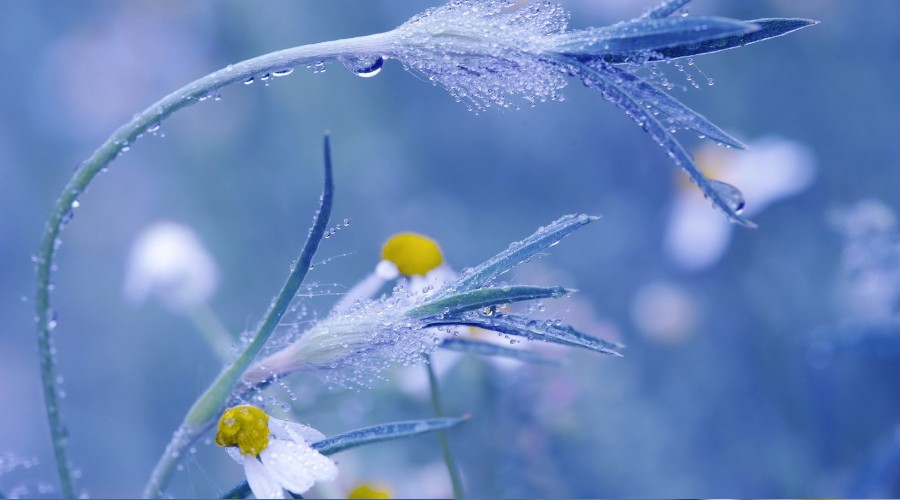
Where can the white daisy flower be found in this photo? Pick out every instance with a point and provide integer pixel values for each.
(276, 454)
(773, 168)
(413, 259)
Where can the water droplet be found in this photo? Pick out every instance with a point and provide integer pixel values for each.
(282, 72)
(366, 66)
(76, 204)
(248, 81)
(318, 67)
(731, 195)
(710, 81)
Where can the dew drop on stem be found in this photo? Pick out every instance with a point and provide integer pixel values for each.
(364, 66)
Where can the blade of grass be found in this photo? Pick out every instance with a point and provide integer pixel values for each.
(206, 409)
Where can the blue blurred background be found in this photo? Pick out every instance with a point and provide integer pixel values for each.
(760, 372)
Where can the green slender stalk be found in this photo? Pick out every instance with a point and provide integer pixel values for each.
(378, 44)
(208, 406)
(452, 469)
(212, 330)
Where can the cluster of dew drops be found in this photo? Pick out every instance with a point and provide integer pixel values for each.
(363, 66)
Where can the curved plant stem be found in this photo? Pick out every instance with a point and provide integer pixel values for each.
(452, 469)
(378, 44)
(206, 409)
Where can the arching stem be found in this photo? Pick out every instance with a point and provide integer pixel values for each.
(378, 44)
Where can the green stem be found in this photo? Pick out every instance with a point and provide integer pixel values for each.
(452, 469)
(206, 409)
(377, 44)
(213, 331)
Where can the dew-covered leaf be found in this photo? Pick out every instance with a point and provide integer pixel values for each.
(652, 96)
(768, 28)
(642, 36)
(548, 331)
(665, 9)
(383, 432)
(485, 297)
(730, 201)
(518, 252)
(491, 349)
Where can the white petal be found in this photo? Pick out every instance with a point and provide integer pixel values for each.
(296, 466)
(697, 235)
(435, 279)
(292, 431)
(261, 482)
(235, 454)
(387, 270)
(364, 290)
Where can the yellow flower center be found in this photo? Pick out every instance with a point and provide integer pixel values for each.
(365, 490)
(412, 253)
(246, 427)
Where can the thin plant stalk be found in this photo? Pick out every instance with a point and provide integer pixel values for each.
(125, 135)
(452, 468)
(212, 330)
(206, 409)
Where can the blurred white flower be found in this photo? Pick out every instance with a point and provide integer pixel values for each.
(664, 312)
(870, 264)
(773, 168)
(169, 262)
(276, 454)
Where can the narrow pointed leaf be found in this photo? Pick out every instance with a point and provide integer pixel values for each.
(518, 252)
(491, 349)
(768, 28)
(646, 35)
(383, 432)
(673, 108)
(240, 490)
(547, 331)
(722, 198)
(665, 9)
(485, 297)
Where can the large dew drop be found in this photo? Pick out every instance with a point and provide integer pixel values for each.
(364, 66)
(732, 196)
